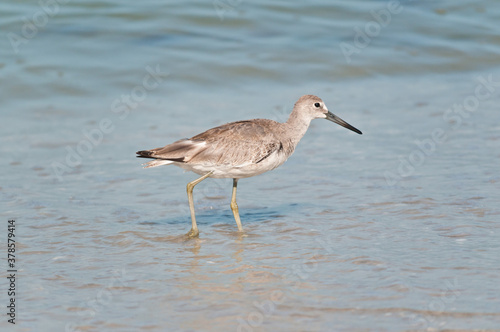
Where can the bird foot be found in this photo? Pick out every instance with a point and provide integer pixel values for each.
(193, 233)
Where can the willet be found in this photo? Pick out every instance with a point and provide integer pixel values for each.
(241, 149)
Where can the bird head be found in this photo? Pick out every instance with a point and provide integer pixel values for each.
(316, 109)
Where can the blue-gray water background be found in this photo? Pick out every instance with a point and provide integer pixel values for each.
(397, 229)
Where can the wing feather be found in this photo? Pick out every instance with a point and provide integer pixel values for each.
(237, 144)
(179, 151)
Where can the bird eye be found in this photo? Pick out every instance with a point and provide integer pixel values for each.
(317, 105)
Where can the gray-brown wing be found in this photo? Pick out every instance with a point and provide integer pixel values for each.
(178, 151)
(235, 143)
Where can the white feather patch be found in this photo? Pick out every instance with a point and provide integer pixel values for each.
(157, 162)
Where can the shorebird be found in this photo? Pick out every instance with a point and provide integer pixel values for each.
(240, 149)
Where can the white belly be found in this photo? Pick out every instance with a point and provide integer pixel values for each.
(237, 171)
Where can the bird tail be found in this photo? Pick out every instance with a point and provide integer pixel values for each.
(157, 162)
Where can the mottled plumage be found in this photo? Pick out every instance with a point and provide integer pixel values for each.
(241, 149)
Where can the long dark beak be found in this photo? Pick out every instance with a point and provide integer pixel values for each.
(332, 117)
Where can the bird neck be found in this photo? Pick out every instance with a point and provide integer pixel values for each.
(297, 125)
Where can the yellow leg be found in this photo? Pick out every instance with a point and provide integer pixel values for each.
(234, 206)
(190, 186)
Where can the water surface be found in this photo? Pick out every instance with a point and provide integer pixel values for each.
(393, 230)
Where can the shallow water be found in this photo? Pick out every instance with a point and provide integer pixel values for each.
(393, 230)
